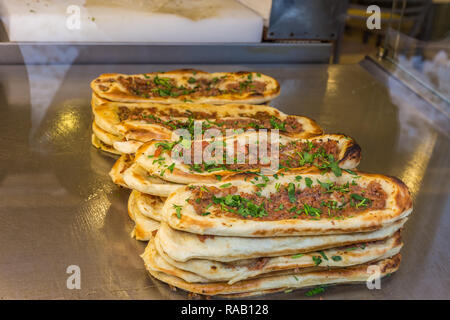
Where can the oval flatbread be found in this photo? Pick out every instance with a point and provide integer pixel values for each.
(183, 85)
(157, 156)
(295, 203)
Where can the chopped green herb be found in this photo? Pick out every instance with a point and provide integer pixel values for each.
(323, 255)
(240, 205)
(291, 192)
(315, 291)
(336, 258)
(350, 171)
(276, 124)
(226, 185)
(317, 260)
(178, 210)
(171, 167)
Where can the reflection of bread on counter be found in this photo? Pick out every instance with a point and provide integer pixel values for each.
(131, 21)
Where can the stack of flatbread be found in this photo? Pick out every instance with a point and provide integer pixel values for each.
(236, 227)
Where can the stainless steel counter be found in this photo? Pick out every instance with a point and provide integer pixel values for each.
(58, 206)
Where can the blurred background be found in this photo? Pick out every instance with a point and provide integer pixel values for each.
(410, 32)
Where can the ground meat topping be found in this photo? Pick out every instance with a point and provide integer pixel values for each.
(159, 86)
(323, 201)
(210, 120)
(295, 154)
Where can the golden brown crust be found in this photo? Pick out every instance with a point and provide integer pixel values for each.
(352, 153)
(97, 143)
(144, 225)
(302, 280)
(234, 271)
(119, 167)
(108, 87)
(226, 249)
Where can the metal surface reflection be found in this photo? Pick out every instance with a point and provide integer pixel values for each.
(58, 206)
(416, 166)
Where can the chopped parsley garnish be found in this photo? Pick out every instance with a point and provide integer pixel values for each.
(171, 167)
(308, 182)
(325, 185)
(226, 185)
(315, 291)
(323, 255)
(296, 256)
(240, 205)
(311, 211)
(166, 145)
(291, 192)
(363, 202)
(276, 124)
(334, 166)
(350, 171)
(317, 260)
(178, 210)
(277, 186)
(336, 258)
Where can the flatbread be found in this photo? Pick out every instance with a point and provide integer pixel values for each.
(144, 226)
(147, 205)
(128, 174)
(120, 166)
(348, 158)
(398, 206)
(107, 117)
(127, 146)
(232, 272)
(97, 143)
(183, 246)
(113, 143)
(104, 136)
(138, 179)
(109, 86)
(291, 281)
